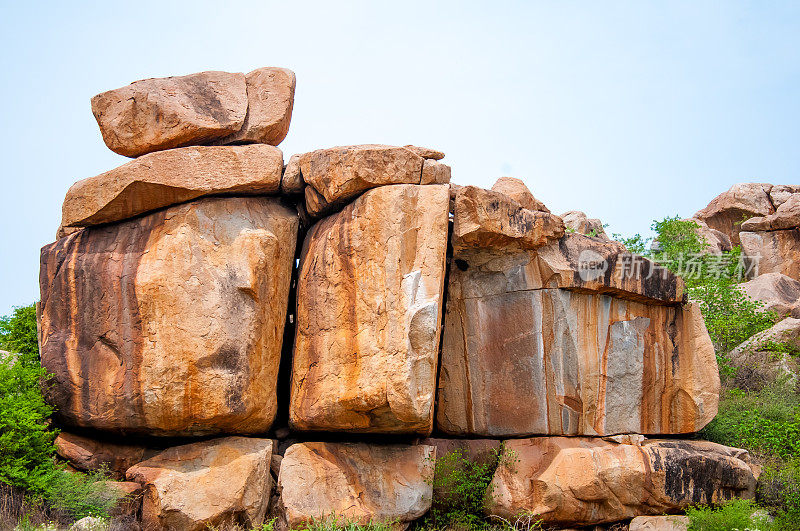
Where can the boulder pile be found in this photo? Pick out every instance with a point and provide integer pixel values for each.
(243, 339)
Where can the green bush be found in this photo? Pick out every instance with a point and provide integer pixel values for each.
(736, 514)
(779, 489)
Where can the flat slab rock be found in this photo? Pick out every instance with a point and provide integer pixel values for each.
(558, 362)
(211, 483)
(585, 481)
(356, 482)
(368, 314)
(169, 177)
(172, 323)
(164, 113)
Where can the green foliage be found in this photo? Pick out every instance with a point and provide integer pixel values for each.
(18, 333)
(636, 244)
(341, 524)
(736, 514)
(779, 489)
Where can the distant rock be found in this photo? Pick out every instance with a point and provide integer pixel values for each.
(356, 482)
(775, 251)
(578, 222)
(768, 355)
(212, 483)
(727, 211)
(515, 189)
(581, 481)
(776, 291)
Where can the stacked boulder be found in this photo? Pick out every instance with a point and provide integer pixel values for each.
(218, 323)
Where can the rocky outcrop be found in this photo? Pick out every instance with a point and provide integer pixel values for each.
(776, 292)
(292, 182)
(170, 324)
(716, 241)
(483, 218)
(211, 483)
(207, 107)
(577, 221)
(515, 189)
(556, 362)
(434, 172)
(727, 211)
(581, 481)
(368, 316)
(768, 356)
(362, 483)
(773, 252)
(166, 178)
(786, 217)
(88, 454)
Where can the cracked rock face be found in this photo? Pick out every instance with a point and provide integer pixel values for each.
(212, 483)
(362, 483)
(581, 481)
(172, 323)
(368, 317)
(776, 251)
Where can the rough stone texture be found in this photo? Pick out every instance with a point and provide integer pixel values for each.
(557, 362)
(170, 324)
(760, 358)
(515, 189)
(726, 212)
(480, 451)
(169, 177)
(435, 172)
(90, 523)
(356, 482)
(426, 153)
(581, 481)
(155, 114)
(292, 182)
(786, 217)
(773, 252)
(580, 223)
(341, 173)
(776, 291)
(88, 454)
(212, 483)
(659, 523)
(270, 98)
(716, 240)
(780, 193)
(368, 316)
(484, 218)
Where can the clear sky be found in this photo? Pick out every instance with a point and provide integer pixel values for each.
(629, 111)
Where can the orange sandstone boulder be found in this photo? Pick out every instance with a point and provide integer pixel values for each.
(172, 323)
(727, 211)
(515, 189)
(368, 314)
(89, 454)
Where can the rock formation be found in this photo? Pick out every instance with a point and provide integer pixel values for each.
(370, 316)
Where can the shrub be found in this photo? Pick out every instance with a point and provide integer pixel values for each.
(779, 489)
(736, 514)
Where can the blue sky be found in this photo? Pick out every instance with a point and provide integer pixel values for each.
(630, 111)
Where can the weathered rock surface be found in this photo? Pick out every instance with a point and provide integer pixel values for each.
(156, 114)
(356, 482)
(339, 174)
(773, 251)
(270, 98)
(776, 292)
(582, 224)
(728, 210)
(170, 324)
(579, 481)
(515, 189)
(557, 362)
(368, 317)
(212, 483)
(483, 218)
(768, 355)
(786, 217)
(716, 241)
(292, 182)
(89, 454)
(425, 153)
(659, 523)
(780, 193)
(169, 177)
(434, 172)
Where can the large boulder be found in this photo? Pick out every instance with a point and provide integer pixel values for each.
(341, 173)
(203, 108)
(169, 177)
(368, 314)
(786, 217)
(172, 323)
(154, 114)
(270, 99)
(578, 222)
(483, 218)
(88, 454)
(583, 481)
(780, 193)
(727, 211)
(356, 482)
(776, 292)
(515, 189)
(558, 362)
(775, 251)
(212, 483)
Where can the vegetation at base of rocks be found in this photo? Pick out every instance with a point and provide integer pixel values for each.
(27, 452)
(341, 524)
(736, 514)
